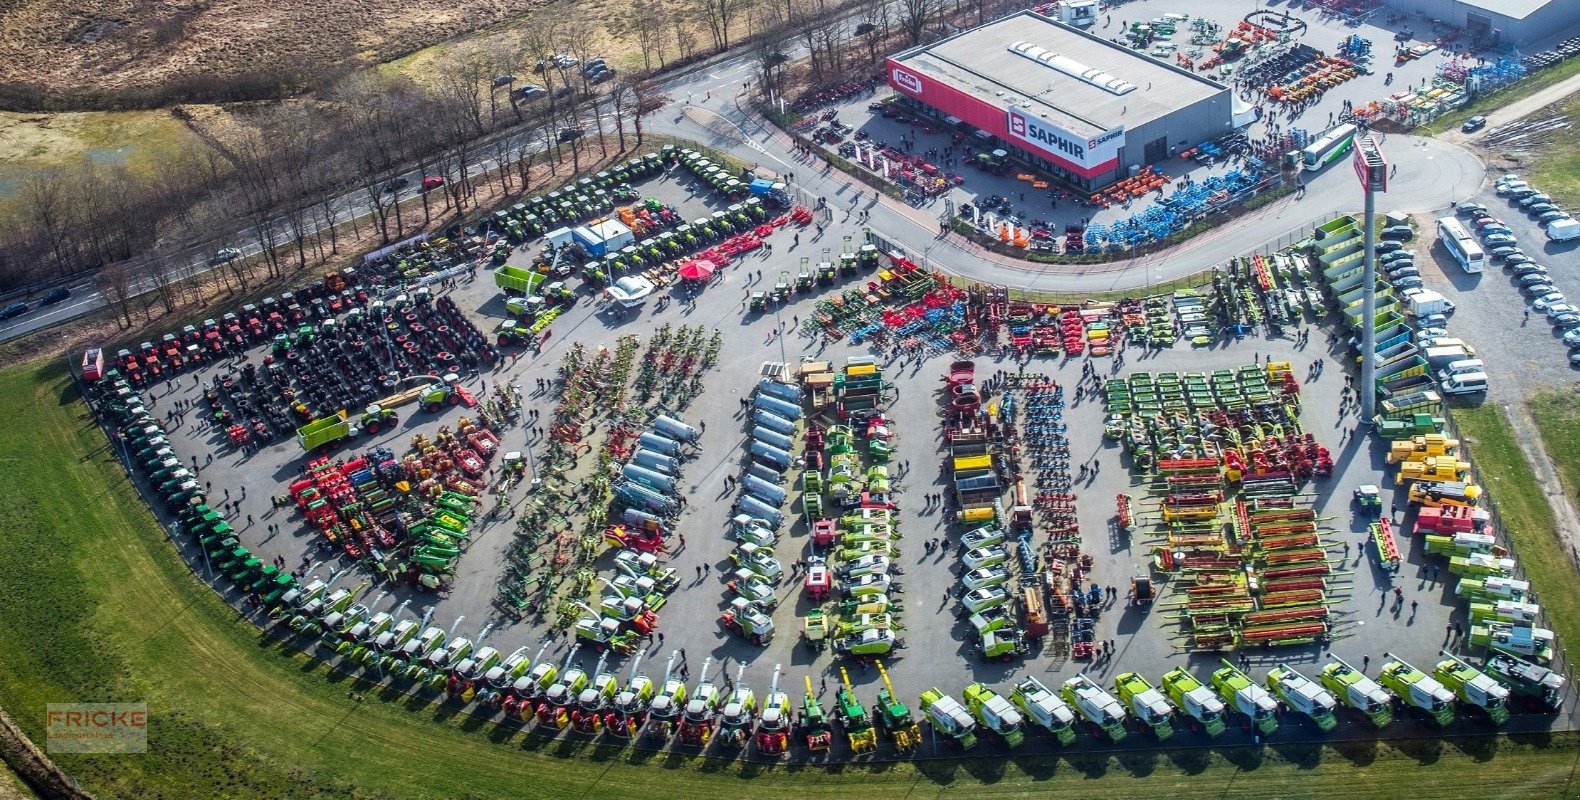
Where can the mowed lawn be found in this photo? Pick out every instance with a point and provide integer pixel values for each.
(97, 605)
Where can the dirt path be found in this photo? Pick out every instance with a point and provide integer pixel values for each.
(1564, 514)
(1519, 108)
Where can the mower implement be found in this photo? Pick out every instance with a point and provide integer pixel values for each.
(1146, 703)
(737, 713)
(949, 717)
(895, 716)
(853, 717)
(701, 713)
(1239, 692)
(814, 723)
(1474, 687)
(993, 712)
(1097, 706)
(1045, 709)
(1417, 689)
(663, 714)
(1541, 687)
(1358, 691)
(1196, 700)
(773, 727)
(1303, 695)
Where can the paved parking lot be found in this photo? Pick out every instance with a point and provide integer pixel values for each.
(936, 650)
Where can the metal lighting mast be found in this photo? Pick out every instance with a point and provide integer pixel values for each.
(1372, 169)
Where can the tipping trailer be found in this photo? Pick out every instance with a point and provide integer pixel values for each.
(1303, 695)
(1474, 687)
(323, 432)
(1097, 706)
(1358, 691)
(1417, 689)
(1242, 694)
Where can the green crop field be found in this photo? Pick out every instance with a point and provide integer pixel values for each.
(99, 606)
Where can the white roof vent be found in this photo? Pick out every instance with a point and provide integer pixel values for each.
(1074, 69)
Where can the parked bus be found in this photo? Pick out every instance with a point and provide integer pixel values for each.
(1327, 149)
(1461, 245)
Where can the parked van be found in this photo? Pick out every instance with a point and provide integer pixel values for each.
(1563, 230)
(1468, 383)
(1447, 341)
(1464, 367)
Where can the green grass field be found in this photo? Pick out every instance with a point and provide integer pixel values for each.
(1556, 168)
(1500, 98)
(1559, 420)
(99, 606)
(1527, 516)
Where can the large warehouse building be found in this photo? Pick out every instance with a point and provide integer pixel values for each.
(1517, 22)
(1078, 106)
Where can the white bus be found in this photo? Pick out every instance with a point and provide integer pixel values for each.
(1460, 244)
(1327, 149)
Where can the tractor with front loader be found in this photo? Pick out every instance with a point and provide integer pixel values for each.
(895, 716)
(853, 717)
(1096, 706)
(1358, 691)
(1196, 700)
(1044, 708)
(773, 725)
(813, 724)
(1303, 695)
(700, 716)
(1417, 689)
(1240, 693)
(1146, 703)
(737, 713)
(949, 718)
(996, 714)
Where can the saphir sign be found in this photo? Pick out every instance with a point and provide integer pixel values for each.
(1088, 155)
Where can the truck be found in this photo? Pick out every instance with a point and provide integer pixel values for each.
(949, 718)
(1358, 691)
(1563, 230)
(1474, 687)
(1303, 695)
(1541, 687)
(1439, 357)
(1197, 701)
(1146, 703)
(1417, 689)
(1097, 706)
(1426, 301)
(1045, 709)
(995, 713)
(1239, 692)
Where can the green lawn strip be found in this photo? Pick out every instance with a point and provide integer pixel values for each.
(1500, 98)
(1526, 515)
(99, 606)
(1558, 418)
(1555, 167)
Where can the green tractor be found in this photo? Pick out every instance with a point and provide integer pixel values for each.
(853, 717)
(895, 716)
(814, 722)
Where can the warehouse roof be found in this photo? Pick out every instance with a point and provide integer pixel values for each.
(1513, 9)
(1082, 82)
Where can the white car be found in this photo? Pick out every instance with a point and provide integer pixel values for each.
(1572, 338)
(1553, 311)
(1547, 301)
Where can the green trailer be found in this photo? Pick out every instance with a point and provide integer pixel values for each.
(515, 279)
(323, 433)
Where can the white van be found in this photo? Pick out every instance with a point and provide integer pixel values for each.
(1563, 230)
(1464, 367)
(1446, 341)
(1468, 383)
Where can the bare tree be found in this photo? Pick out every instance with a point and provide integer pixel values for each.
(115, 284)
(718, 15)
(647, 25)
(44, 201)
(914, 15)
(685, 37)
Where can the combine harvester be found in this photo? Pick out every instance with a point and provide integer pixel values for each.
(737, 713)
(701, 714)
(1541, 687)
(773, 727)
(814, 722)
(663, 714)
(1358, 691)
(1417, 689)
(949, 717)
(853, 717)
(895, 716)
(1196, 700)
(1474, 687)
(993, 712)
(1097, 706)
(1146, 703)
(1045, 709)
(1303, 695)
(1242, 694)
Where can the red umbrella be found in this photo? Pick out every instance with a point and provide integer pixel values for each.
(697, 269)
